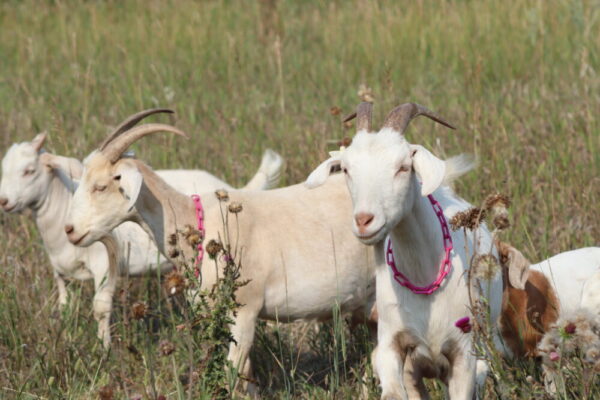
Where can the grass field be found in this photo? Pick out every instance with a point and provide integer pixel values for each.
(520, 79)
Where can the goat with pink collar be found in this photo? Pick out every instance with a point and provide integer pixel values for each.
(400, 206)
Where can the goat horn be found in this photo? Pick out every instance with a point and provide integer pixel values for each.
(131, 121)
(363, 115)
(117, 147)
(399, 118)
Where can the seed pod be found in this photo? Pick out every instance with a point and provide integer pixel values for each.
(139, 309)
(222, 195)
(235, 207)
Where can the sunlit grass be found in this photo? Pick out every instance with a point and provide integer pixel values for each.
(520, 79)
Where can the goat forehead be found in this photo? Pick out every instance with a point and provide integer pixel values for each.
(384, 147)
(18, 155)
(96, 165)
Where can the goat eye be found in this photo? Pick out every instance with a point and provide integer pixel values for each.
(99, 188)
(345, 170)
(117, 177)
(28, 172)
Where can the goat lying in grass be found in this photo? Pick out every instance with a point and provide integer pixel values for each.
(554, 288)
(390, 182)
(295, 245)
(42, 182)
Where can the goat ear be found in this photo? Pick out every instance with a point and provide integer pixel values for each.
(130, 182)
(518, 268)
(69, 166)
(38, 140)
(430, 169)
(322, 172)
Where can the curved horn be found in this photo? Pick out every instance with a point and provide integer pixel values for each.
(363, 115)
(399, 118)
(117, 147)
(131, 121)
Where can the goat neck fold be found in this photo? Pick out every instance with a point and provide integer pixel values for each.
(132, 121)
(399, 118)
(163, 210)
(120, 144)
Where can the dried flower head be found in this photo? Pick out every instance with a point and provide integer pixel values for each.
(139, 309)
(222, 195)
(496, 201)
(365, 93)
(235, 207)
(469, 219)
(348, 124)
(166, 347)
(345, 142)
(335, 110)
(172, 239)
(485, 266)
(213, 248)
(501, 222)
(173, 252)
(174, 283)
(106, 392)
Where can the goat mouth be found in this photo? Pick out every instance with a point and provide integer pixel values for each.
(76, 242)
(371, 236)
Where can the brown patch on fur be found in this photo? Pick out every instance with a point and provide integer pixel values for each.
(527, 314)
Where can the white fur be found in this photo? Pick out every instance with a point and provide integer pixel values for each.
(47, 191)
(381, 175)
(294, 245)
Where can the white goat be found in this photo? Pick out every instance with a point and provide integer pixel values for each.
(40, 181)
(297, 250)
(417, 336)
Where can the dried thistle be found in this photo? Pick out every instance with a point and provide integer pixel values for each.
(365, 93)
(166, 347)
(335, 110)
(139, 310)
(174, 283)
(106, 392)
(469, 219)
(496, 201)
(235, 207)
(345, 142)
(485, 266)
(213, 248)
(222, 195)
(501, 222)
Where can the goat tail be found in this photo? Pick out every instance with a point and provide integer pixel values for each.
(457, 166)
(269, 172)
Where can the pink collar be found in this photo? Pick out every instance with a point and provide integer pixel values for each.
(445, 266)
(200, 219)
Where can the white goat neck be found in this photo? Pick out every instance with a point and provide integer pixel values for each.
(417, 242)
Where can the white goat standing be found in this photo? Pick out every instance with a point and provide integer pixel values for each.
(417, 336)
(42, 182)
(295, 245)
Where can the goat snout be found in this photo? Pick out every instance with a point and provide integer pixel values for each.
(3, 201)
(69, 229)
(363, 220)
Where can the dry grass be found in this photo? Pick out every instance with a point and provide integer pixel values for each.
(520, 79)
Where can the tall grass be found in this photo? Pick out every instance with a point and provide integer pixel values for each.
(520, 79)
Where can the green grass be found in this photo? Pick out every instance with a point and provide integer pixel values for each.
(520, 79)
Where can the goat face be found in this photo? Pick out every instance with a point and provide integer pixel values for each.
(25, 179)
(104, 199)
(381, 173)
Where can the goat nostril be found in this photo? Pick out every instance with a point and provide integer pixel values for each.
(3, 201)
(364, 219)
(68, 229)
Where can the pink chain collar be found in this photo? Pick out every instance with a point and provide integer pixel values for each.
(200, 219)
(445, 266)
